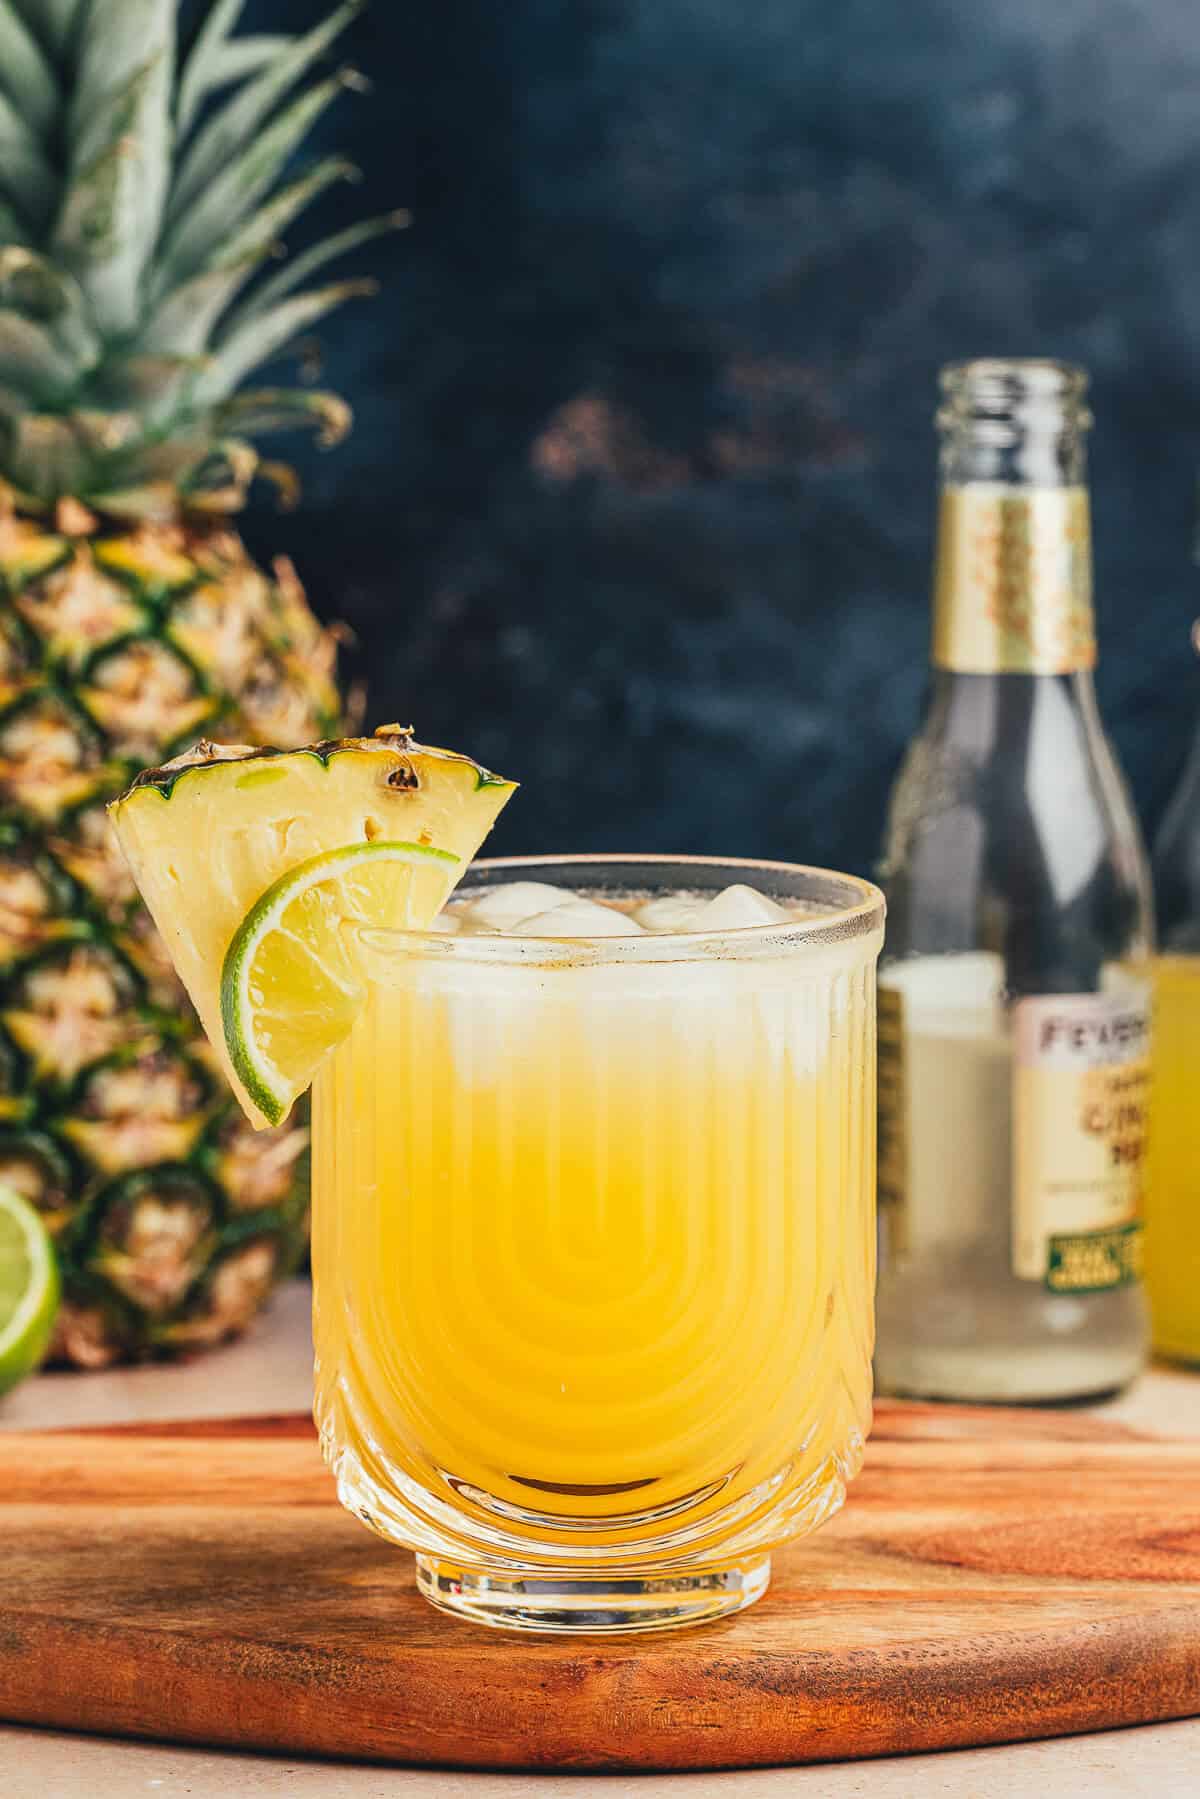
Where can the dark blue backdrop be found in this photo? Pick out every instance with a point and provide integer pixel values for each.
(638, 506)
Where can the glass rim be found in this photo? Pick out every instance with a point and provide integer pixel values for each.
(860, 914)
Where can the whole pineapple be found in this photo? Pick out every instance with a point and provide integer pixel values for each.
(142, 192)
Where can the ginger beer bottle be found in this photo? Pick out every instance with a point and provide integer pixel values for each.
(1014, 1003)
(1173, 1195)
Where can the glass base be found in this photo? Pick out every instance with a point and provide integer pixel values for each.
(604, 1605)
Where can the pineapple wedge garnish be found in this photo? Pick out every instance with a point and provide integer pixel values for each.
(251, 862)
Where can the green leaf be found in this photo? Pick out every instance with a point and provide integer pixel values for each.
(30, 284)
(13, 405)
(261, 230)
(122, 115)
(46, 456)
(168, 459)
(122, 38)
(242, 57)
(184, 322)
(198, 71)
(299, 268)
(30, 360)
(25, 172)
(110, 217)
(204, 231)
(155, 503)
(53, 22)
(26, 75)
(106, 434)
(218, 469)
(226, 470)
(257, 236)
(41, 291)
(98, 236)
(240, 120)
(13, 229)
(271, 409)
(105, 439)
(264, 337)
(154, 386)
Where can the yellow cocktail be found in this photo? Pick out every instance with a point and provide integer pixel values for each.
(594, 1244)
(1173, 1179)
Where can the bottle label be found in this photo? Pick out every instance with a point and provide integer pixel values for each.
(945, 1106)
(892, 1126)
(1013, 587)
(1080, 1089)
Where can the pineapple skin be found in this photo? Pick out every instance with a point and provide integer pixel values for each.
(173, 1219)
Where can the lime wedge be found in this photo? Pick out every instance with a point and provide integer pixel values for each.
(28, 1288)
(290, 984)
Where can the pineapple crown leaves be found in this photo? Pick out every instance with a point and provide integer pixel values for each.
(143, 191)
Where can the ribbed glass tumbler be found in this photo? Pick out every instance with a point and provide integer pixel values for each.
(594, 1248)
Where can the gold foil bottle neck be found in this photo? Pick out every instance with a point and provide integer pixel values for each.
(1013, 587)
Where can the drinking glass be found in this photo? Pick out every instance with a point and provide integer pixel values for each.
(594, 1247)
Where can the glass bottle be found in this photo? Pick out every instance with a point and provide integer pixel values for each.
(1173, 1189)
(1014, 1004)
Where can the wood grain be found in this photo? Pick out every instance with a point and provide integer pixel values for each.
(996, 1576)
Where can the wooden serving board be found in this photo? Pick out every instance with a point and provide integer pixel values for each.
(995, 1576)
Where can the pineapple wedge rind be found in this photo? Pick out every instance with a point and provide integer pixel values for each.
(215, 755)
(208, 834)
(330, 993)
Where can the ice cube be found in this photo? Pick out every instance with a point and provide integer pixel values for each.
(447, 923)
(671, 912)
(507, 905)
(579, 917)
(737, 908)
